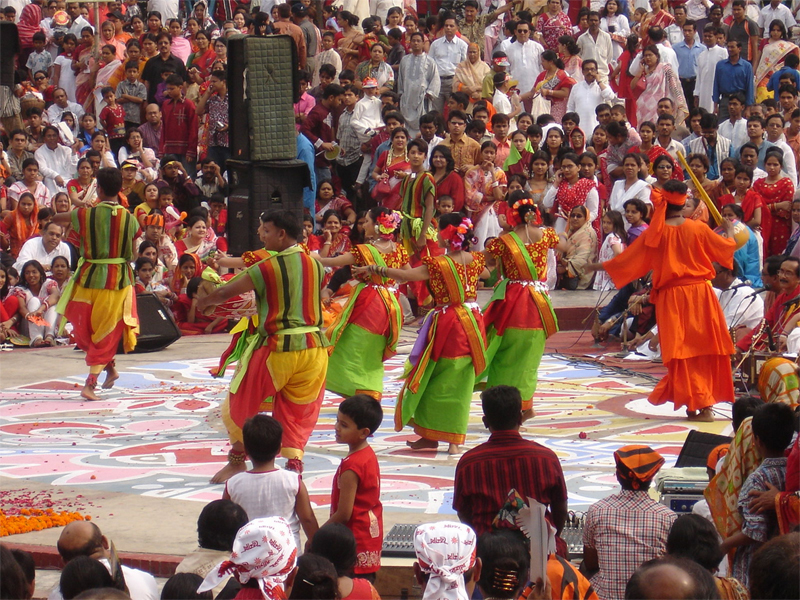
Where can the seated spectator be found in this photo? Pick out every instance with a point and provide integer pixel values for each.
(29, 183)
(44, 248)
(446, 565)
(263, 558)
(582, 251)
(84, 538)
(695, 538)
(485, 475)
(25, 561)
(336, 542)
(38, 297)
(82, 190)
(211, 180)
(196, 240)
(83, 573)
(217, 525)
(185, 191)
(676, 578)
(153, 225)
(315, 577)
(624, 530)
(183, 586)
(774, 568)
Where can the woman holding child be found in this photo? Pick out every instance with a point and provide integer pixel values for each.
(366, 332)
(520, 318)
(450, 350)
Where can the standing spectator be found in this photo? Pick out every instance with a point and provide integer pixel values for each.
(327, 56)
(366, 121)
(660, 81)
(215, 102)
(553, 23)
(151, 129)
(710, 144)
(624, 530)
(180, 129)
(775, 10)
(473, 26)
(310, 31)
(731, 76)
(687, 51)
(596, 44)
(318, 127)
(524, 56)
(466, 151)
(165, 60)
(447, 51)
(706, 66)
(486, 474)
(588, 94)
(283, 25)
(40, 59)
(418, 83)
(745, 31)
(349, 161)
(112, 118)
(131, 94)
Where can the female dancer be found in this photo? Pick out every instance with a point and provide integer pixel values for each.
(366, 332)
(519, 318)
(450, 349)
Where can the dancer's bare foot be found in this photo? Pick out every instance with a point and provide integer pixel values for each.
(423, 444)
(704, 416)
(454, 449)
(111, 376)
(88, 393)
(528, 414)
(228, 471)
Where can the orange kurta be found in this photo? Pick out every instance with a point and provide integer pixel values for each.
(695, 344)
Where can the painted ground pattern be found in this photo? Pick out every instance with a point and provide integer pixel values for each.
(158, 434)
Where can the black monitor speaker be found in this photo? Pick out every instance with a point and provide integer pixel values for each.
(157, 328)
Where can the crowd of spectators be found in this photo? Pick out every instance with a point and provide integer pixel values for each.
(633, 546)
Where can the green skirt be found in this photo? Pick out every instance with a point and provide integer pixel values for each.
(513, 359)
(356, 364)
(439, 410)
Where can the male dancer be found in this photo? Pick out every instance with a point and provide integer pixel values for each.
(282, 361)
(100, 301)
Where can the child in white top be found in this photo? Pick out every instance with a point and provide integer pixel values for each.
(267, 490)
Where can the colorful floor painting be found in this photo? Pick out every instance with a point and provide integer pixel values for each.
(155, 437)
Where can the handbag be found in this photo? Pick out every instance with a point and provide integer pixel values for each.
(540, 106)
(382, 189)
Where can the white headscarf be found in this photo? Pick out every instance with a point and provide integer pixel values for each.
(445, 550)
(264, 549)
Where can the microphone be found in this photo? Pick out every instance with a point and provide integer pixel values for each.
(757, 291)
(745, 283)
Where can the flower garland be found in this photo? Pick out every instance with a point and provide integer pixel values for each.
(458, 236)
(31, 519)
(532, 217)
(387, 223)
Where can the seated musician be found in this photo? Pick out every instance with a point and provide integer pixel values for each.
(771, 334)
(743, 309)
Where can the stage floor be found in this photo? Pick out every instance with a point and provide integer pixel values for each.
(139, 460)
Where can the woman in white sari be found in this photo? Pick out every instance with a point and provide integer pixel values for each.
(100, 74)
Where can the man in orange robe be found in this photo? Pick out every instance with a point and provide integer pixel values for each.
(695, 343)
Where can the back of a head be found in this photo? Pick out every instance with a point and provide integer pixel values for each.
(336, 542)
(83, 573)
(183, 586)
(773, 425)
(262, 435)
(743, 408)
(218, 523)
(504, 564)
(774, 568)
(315, 579)
(12, 578)
(695, 538)
(502, 407)
(671, 578)
(103, 594)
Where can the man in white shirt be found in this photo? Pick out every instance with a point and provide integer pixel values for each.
(775, 11)
(167, 8)
(735, 128)
(525, 57)
(675, 31)
(61, 105)
(78, 22)
(447, 51)
(706, 66)
(57, 163)
(742, 309)
(44, 249)
(596, 45)
(775, 127)
(84, 538)
(666, 127)
(587, 94)
(417, 83)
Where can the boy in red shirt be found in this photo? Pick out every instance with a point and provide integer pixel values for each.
(179, 126)
(355, 498)
(112, 118)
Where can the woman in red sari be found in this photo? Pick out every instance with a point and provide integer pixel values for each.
(777, 193)
(755, 216)
(658, 17)
(203, 57)
(647, 131)
(30, 22)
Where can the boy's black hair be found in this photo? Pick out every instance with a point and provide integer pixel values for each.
(572, 116)
(502, 407)
(773, 424)
(140, 262)
(743, 408)
(262, 436)
(365, 411)
(193, 286)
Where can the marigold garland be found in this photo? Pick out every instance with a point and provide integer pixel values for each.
(32, 519)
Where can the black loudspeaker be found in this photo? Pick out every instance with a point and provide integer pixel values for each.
(261, 187)
(697, 447)
(157, 328)
(263, 85)
(9, 48)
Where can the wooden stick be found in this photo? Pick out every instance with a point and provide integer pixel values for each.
(712, 208)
